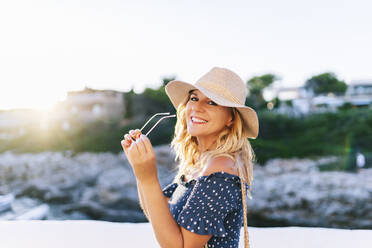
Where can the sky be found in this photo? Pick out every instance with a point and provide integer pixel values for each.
(48, 48)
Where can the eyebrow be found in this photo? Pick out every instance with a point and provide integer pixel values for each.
(192, 92)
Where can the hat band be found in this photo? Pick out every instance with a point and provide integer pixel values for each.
(220, 91)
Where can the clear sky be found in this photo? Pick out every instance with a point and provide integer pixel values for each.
(50, 47)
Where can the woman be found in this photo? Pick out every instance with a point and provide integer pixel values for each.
(204, 204)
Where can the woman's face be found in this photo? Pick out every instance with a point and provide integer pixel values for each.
(204, 118)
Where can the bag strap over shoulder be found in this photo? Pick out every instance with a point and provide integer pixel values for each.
(245, 221)
(246, 236)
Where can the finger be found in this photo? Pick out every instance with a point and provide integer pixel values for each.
(125, 143)
(128, 139)
(133, 150)
(141, 145)
(132, 134)
(125, 146)
(122, 142)
(137, 133)
(147, 143)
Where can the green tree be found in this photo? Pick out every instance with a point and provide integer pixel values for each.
(256, 85)
(166, 80)
(128, 100)
(326, 83)
(159, 94)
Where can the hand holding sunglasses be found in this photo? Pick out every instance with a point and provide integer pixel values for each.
(139, 151)
(135, 134)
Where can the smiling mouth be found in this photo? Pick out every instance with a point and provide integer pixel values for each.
(196, 120)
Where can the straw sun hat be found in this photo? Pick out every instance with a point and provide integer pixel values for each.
(222, 86)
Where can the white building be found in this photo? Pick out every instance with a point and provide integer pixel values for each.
(91, 105)
(358, 94)
(298, 96)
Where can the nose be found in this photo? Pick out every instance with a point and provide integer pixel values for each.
(197, 107)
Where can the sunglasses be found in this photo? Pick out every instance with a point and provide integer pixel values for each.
(167, 115)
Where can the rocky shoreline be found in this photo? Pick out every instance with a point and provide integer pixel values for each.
(101, 186)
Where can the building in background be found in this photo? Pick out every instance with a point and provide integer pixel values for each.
(297, 101)
(359, 93)
(91, 105)
(85, 106)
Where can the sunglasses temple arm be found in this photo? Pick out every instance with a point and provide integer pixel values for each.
(152, 117)
(158, 123)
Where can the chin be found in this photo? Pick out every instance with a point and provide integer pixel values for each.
(194, 132)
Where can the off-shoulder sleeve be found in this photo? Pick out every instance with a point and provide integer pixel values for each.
(211, 200)
(169, 189)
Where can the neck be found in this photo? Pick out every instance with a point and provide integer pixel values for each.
(206, 145)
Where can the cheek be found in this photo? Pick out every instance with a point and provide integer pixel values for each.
(187, 110)
(224, 118)
(223, 114)
(188, 105)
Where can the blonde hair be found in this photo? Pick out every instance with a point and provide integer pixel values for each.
(231, 142)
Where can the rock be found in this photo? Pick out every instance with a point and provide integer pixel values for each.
(37, 213)
(295, 192)
(98, 212)
(101, 182)
(117, 188)
(6, 201)
(102, 186)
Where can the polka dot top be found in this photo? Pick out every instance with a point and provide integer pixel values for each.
(209, 205)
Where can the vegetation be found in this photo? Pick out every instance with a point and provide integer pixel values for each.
(282, 136)
(256, 85)
(314, 135)
(326, 83)
(340, 133)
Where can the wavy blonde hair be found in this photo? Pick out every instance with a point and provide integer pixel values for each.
(231, 142)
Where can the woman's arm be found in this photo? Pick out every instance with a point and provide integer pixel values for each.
(142, 201)
(169, 234)
(166, 229)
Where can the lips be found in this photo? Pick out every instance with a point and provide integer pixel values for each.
(198, 120)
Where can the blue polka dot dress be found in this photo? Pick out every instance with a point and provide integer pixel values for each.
(209, 205)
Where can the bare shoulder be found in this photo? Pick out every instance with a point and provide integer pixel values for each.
(219, 164)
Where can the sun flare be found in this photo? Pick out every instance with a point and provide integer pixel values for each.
(22, 100)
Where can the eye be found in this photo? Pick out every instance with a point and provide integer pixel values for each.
(193, 98)
(212, 103)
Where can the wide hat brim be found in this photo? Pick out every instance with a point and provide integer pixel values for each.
(178, 92)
